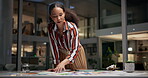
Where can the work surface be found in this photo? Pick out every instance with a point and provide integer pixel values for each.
(75, 74)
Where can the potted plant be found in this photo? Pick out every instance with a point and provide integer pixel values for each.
(110, 57)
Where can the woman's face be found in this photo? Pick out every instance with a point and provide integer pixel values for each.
(58, 16)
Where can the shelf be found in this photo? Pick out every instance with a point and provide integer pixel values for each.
(139, 52)
(31, 38)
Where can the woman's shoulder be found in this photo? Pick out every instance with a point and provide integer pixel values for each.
(71, 24)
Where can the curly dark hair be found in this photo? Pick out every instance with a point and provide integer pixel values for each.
(70, 15)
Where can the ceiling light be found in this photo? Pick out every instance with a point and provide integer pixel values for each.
(72, 7)
(133, 29)
(44, 43)
(130, 49)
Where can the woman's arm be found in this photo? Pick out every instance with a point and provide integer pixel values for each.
(74, 43)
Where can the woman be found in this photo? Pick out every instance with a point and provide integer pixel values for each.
(67, 51)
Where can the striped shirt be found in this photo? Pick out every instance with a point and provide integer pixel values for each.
(68, 41)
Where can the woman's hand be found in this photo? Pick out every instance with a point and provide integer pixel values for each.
(61, 66)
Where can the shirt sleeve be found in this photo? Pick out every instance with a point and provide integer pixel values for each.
(53, 46)
(74, 44)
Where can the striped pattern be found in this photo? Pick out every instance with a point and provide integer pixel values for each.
(68, 41)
